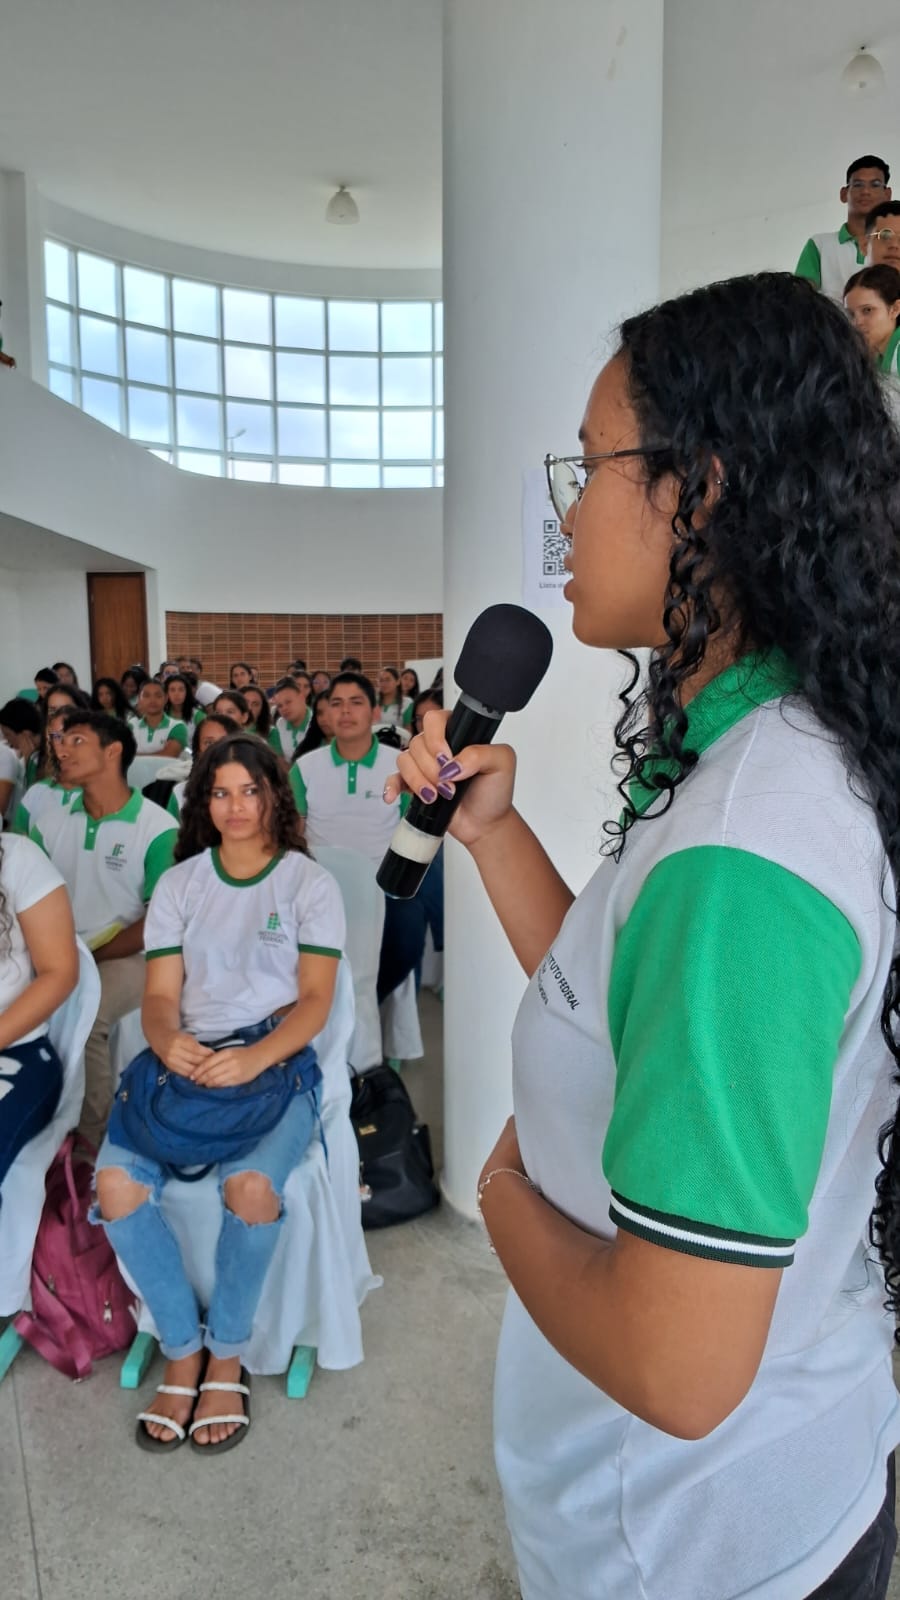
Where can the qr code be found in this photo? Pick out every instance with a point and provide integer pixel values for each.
(556, 546)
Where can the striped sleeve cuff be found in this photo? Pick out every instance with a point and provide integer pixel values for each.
(700, 1238)
(318, 950)
(170, 950)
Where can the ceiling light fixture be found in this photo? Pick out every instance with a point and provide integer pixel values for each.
(864, 74)
(342, 207)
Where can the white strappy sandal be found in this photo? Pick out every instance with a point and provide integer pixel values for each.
(145, 1439)
(242, 1417)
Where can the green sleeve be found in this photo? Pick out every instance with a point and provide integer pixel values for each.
(179, 733)
(160, 855)
(21, 822)
(274, 740)
(34, 833)
(172, 807)
(295, 779)
(408, 715)
(810, 264)
(729, 988)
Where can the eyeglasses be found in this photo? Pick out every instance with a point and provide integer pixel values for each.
(875, 184)
(884, 234)
(567, 475)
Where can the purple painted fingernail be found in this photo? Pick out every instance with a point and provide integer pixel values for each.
(428, 795)
(442, 760)
(447, 790)
(451, 770)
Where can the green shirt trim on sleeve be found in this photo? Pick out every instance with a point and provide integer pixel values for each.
(179, 733)
(730, 983)
(160, 856)
(295, 779)
(34, 833)
(170, 950)
(318, 950)
(21, 822)
(172, 807)
(810, 264)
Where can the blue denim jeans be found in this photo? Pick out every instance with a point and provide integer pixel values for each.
(866, 1572)
(149, 1251)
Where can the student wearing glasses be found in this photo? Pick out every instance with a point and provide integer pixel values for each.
(883, 235)
(696, 1202)
(828, 259)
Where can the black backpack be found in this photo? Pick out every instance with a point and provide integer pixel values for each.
(395, 1163)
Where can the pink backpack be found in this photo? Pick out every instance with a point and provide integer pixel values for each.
(82, 1307)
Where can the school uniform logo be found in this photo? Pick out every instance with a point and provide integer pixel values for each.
(273, 933)
(551, 971)
(117, 859)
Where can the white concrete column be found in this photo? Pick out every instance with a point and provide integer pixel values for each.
(552, 151)
(22, 275)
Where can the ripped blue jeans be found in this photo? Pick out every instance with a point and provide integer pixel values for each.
(150, 1254)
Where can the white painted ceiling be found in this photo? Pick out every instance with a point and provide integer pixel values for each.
(229, 123)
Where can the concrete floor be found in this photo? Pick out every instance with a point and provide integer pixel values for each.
(378, 1486)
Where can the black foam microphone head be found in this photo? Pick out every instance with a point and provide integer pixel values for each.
(506, 653)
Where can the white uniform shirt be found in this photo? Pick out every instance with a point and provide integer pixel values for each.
(698, 1060)
(12, 770)
(151, 741)
(284, 737)
(26, 877)
(45, 795)
(239, 939)
(343, 802)
(111, 865)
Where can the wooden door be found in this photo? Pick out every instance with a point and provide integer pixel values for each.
(117, 610)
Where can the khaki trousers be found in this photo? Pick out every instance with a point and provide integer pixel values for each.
(121, 991)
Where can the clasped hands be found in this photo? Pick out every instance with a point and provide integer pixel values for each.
(214, 1069)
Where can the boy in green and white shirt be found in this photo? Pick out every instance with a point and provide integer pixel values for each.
(829, 259)
(339, 788)
(294, 717)
(111, 847)
(155, 733)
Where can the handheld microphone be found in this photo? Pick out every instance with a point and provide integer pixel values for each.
(505, 655)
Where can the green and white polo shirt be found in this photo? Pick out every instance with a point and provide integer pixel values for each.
(42, 796)
(152, 741)
(698, 1061)
(889, 360)
(239, 938)
(285, 736)
(829, 259)
(111, 865)
(342, 800)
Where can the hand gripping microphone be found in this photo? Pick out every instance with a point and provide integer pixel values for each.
(506, 653)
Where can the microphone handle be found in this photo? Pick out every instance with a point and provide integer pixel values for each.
(417, 837)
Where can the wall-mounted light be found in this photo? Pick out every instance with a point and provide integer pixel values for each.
(864, 74)
(342, 207)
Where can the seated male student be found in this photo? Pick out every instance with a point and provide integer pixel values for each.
(829, 259)
(339, 787)
(883, 234)
(155, 733)
(111, 846)
(205, 692)
(291, 701)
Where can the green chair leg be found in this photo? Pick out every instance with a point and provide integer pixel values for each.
(137, 1361)
(300, 1371)
(10, 1345)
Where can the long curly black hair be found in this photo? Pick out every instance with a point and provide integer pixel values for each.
(761, 382)
(281, 820)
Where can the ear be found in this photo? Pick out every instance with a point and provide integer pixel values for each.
(845, 194)
(888, 193)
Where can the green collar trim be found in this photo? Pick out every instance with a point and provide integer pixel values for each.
(129, 812)
(165, 721)
(888, 360)
(846, 237)
(753, 681)
(368, 760)
(243, 883)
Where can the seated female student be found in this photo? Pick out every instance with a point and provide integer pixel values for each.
(66, 674)
(20, 737)
(241, 675)
(214, 726)
(321, 726)
(38, 971)
(51, 789)
(393, 708)
(231, 703)
(41, 764)
(109, 696)
(44, 681)
(321, 681)
(156, 733)
(872, 302)
(222, 936)
(258, 706)
(131, 680)
(181, 702)
(409, 683)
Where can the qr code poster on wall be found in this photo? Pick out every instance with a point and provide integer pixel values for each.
(543, 546)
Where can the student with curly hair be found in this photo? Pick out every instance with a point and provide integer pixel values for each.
(694, 1392)
(243, 939)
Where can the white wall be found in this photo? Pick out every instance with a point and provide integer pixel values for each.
(43, 618)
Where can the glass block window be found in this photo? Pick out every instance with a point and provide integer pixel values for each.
(240, 383)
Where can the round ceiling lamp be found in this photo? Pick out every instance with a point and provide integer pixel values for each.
(342, 208)
(864, 74)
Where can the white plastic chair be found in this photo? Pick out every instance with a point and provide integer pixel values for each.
(364, 910)
(320, 1274)
(23, 1188)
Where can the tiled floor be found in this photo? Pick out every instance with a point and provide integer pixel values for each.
(379, 1486)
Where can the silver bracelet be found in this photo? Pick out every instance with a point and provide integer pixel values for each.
(496, 1171)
